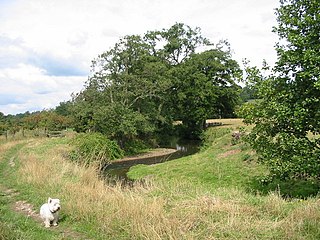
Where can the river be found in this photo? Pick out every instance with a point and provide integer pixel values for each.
(118, 170)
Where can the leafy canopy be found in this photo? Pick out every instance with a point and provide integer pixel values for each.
(141, 85)
(287, 116)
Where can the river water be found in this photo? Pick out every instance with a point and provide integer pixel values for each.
(118, 170)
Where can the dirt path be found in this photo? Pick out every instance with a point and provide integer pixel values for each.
(30, 211)
(27, 209)
(19, 206)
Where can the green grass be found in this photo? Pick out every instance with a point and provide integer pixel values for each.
(216, 166)
(220, 164)
(14, 225)
(231, 172)
(210, 195)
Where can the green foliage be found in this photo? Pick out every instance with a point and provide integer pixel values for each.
(63, 109)
(94, 148)
(121, 123)
(47, 120)
(247, 93)
(140, 86)
(293, 188)
(204, 87)
(124, 96)
(135, 146)
(286, 117)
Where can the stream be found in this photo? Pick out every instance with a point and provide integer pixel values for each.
(118, 170)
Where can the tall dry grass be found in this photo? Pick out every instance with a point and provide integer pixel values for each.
(150, 210)
(114, 209)
(7, 145)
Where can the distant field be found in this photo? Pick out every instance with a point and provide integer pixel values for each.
(227, 121)
(231, 122)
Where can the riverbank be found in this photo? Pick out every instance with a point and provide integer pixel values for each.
(209, 195)
(157, 152)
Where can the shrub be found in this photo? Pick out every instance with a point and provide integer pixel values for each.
(135, 146)
(94, 148)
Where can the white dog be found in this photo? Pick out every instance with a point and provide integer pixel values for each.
(49, 212)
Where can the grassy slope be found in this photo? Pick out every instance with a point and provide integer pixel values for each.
(13, 224)
(220, 165)
(205, 196)
(229, 172)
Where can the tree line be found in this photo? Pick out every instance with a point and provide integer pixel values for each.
(144, 83)
(46, 120)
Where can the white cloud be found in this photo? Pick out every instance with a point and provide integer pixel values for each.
(47, 46)
(27, 88)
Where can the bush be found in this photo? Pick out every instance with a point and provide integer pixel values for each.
(94, 148)
(135, 146)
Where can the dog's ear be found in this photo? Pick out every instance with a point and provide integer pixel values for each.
(49, 200)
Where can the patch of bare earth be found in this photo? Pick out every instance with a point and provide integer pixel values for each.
(28, 210)
(157, 152)
(229, 153)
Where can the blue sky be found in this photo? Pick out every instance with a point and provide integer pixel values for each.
(46, 47)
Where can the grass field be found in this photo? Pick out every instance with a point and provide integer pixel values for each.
(210, 195)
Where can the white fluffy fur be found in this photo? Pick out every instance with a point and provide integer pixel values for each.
(49, 212)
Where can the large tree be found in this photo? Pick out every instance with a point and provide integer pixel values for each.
(124, 96)
(204, 86)
(135, 88)
(287, 117)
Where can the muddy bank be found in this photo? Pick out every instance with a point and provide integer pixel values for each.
(157, 152)
(176, 149)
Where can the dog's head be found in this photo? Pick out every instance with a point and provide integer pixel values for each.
(54, 204)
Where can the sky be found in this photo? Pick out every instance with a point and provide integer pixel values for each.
(46, 46)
